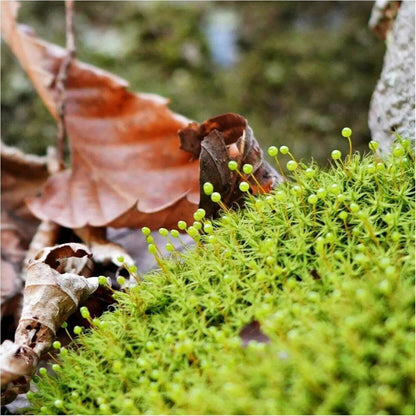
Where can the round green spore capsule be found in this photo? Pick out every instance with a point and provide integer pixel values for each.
(291, 165)
(296, 190)
(343, 215)
(208, 228)
(145, 230)
(182, 225)
(197, 225)
(132, 268)
(199, 214)
(321, 192)
(309, 173)
(247, 168)
(284, 150)
(77, 329)
(163, 232)
(152, 249)
(272, 151)
(336, 154)
(373, 145)
(329, 237)
(192, 231)
(216, 197)
(58, 403)
(211, 239)
(232, 165)
(354, 207)
(56, 368)
(174, 233)
(341, 198)
(280, 196)
(102, 280)
(346, 132)
(244, 186)
(313, 199)
(85, 313)
(335, 188)
(371, 168)
(208, 188)
(57, 345)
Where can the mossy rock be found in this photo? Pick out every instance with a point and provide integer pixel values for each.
(330, 283)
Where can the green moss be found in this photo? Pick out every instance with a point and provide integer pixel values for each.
(335, 296)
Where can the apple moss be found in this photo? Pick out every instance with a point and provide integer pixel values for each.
(324, 264)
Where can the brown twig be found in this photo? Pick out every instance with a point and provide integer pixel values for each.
(62, 79)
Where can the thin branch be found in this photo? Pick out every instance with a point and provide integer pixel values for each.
(62, 79)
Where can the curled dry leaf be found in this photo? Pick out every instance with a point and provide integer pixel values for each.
(127, 169)
(17, 364)
(217, 141)
(55, 286)
(46, 235)
(21, 175)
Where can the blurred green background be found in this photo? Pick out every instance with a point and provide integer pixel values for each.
(298, 71)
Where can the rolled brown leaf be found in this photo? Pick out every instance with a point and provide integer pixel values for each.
(56, 284)
(54, 288)
(217, 141)
(17, 364)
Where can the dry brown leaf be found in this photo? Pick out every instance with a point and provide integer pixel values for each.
(217, 141)
(47, 235)
(21, 175)
(55, 286)
(124, 146)
(17, 364)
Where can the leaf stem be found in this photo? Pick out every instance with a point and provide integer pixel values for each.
(61, 81)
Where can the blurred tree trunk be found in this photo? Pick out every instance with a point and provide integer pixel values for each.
(392, 106)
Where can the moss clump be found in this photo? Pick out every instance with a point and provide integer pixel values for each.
(330, 281)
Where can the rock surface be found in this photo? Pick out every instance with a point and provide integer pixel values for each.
(392, 106)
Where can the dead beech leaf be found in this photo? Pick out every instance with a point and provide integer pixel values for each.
(55, 286)
(21, 175)
(217, 141)
(17, 364)
(46, 235)
(252, 332)
(124, 146)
